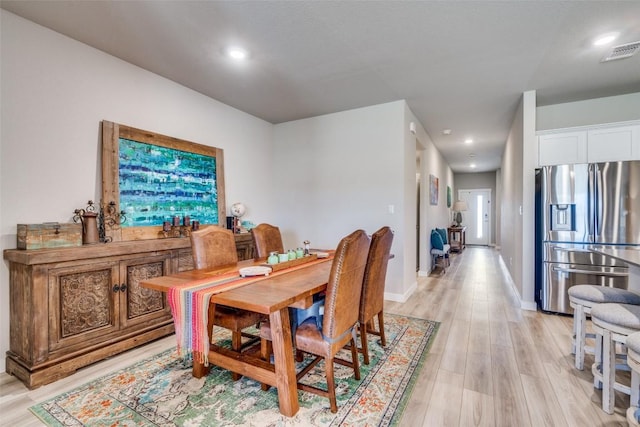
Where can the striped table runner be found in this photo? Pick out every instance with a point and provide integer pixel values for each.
(189, 304)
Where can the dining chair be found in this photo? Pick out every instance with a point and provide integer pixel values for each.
(215, 247)
(338, 326)
(372, 299)
(266, 239)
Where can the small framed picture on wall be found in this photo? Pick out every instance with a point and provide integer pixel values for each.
(433, 189)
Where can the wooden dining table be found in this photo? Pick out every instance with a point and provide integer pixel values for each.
(271, 296)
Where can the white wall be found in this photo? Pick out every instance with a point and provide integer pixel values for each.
(517, 201)
(432, 216)
(609, 109)
(55, 91)
(511, 222)
(529, 162)
(340, 172)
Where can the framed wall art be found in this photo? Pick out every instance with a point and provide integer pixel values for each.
(154, 178)
(433, 189)
(448, 196)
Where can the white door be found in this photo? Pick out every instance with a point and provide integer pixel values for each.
(477, 218)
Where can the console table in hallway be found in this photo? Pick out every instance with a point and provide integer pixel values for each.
(460, 233)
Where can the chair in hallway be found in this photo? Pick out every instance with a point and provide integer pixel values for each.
(440, 249)
(266, 239)
(582, 298)
(339, 322)
(372, 299)
(215, 247)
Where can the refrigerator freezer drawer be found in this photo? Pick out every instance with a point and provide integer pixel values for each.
(558, 278)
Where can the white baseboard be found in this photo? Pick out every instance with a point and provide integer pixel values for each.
(525, 305)
(401, 297)
(422, 273)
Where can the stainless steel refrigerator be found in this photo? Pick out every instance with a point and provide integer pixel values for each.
(578, 206)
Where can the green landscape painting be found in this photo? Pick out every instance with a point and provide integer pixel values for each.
(158, 183)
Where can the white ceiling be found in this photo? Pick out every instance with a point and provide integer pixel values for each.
(460, 65)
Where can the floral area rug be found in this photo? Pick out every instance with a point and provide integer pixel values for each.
(160, 391)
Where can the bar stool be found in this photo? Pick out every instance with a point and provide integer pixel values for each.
(614, 323)
(633, 360)
(581, 299)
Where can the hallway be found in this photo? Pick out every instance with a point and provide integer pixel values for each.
(492, 363)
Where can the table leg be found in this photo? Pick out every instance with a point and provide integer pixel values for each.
(199, 370)
(284, 363)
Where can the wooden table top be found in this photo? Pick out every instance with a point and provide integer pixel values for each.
(290, 288)
(164, 283)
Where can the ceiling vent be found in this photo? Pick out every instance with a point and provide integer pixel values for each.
(622, 51)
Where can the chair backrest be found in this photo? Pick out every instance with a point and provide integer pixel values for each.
(372, 300)
(345, 285)
(266, 238)
(213, 247)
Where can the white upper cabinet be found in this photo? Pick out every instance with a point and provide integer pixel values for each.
(590, 144)
(562, 148)
(613, 144)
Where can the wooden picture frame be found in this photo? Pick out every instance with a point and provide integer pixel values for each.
(209, 202)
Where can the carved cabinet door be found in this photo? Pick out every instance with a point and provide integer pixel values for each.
(138, 306)
(82, 305)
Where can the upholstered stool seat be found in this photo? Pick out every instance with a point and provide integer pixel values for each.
(614, 323)
(633, 360)
(581, 299)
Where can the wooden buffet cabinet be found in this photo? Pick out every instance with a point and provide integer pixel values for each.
(71, 307)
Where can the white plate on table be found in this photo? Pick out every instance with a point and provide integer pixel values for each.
(255, 271)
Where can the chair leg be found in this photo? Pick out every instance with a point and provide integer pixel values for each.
(580, 336)
(266, 350)
(354, 358)
(608, 372)
(634, 399)
(383, 339)
(363, 338)
(331, 385)
(597, 383)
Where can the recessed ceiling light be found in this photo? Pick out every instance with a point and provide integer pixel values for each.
(237, 53)
(472, 155)
(605, 39)
(446, 132)
(472, 165)
(468, 141)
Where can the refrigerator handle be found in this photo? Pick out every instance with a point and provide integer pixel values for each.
(563, 249)
(592, 272)
(591, 203)
(597, 217)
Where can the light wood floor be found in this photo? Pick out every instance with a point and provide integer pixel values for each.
(491, 364)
